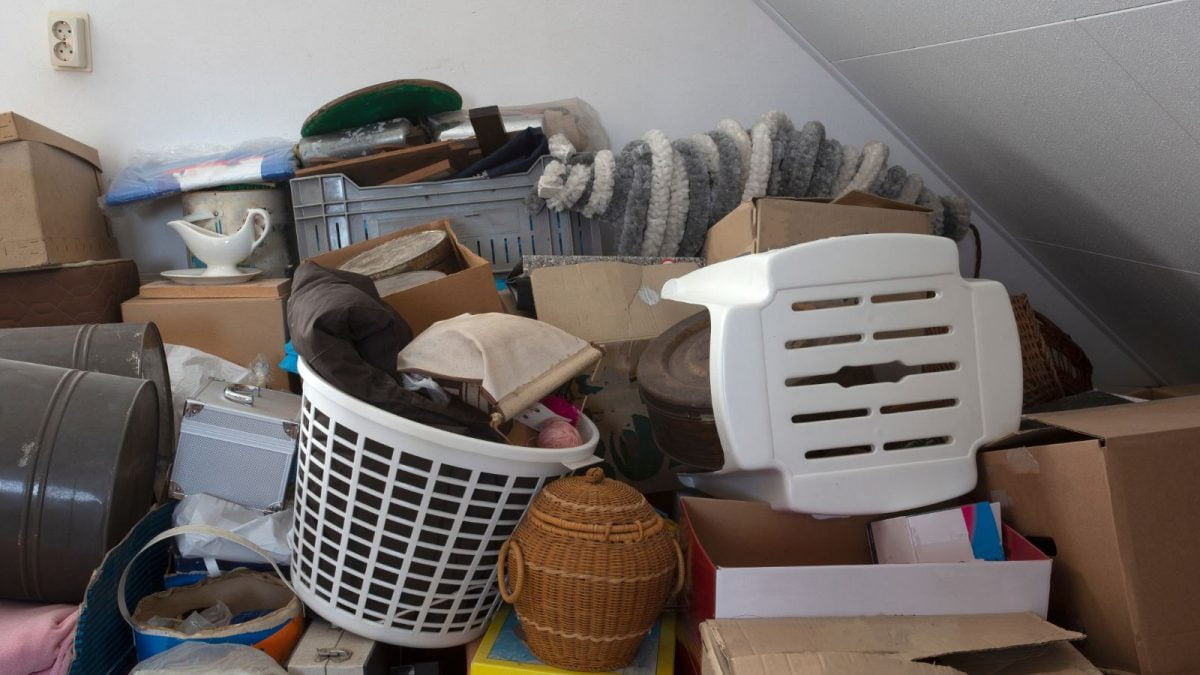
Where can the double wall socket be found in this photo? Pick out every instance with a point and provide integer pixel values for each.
(70, 41)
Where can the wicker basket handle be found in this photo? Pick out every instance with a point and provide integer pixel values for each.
(682, 571)
(518, 574)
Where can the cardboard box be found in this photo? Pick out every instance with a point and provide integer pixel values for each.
(502, 651)
(258, 288)
(50, 189)
(745, 559)
(351, 654)
(768, 223)
(1115, 489)
(471, 290)
(618, 306)
(236, 329)
(893, 645)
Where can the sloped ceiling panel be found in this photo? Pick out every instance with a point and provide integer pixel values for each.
(1078, 136)
(843, 29)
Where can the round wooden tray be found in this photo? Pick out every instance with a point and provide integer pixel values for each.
(429, 250)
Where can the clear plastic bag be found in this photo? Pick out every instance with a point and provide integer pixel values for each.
(150, 175)
(572, 117)
(201, 657)
(217, 616)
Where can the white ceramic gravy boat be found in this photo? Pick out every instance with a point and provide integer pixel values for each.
(222, 252)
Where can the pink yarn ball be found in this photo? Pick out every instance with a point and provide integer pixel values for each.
(559, 434)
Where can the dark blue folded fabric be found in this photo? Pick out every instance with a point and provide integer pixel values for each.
(515, 156)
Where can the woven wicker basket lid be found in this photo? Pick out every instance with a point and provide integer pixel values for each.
(594, 508)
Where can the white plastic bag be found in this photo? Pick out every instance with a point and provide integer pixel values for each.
(268, 531)
(201, 657)
(190, 369)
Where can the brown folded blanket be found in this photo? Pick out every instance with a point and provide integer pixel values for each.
(350, 337)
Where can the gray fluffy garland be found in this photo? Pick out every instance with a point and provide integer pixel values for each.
(829, 163)
(636, 202)
(586, 159)
(808, 144)
(889, 182)
(937, 217)
(788, 166)
(698, 192)
(622, 179)
(727, 184)
(874, 159)
(851, 158)
(712, 177)
(781, 143)
(913, 184)
(957, 216)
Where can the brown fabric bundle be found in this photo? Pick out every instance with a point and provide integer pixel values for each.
(350, 337)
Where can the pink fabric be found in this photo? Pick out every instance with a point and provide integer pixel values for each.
(37, 639)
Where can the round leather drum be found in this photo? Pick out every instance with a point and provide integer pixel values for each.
(673, 380)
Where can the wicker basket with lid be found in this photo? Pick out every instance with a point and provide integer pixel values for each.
(590, 568)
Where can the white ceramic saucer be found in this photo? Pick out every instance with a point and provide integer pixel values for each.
(196, 277)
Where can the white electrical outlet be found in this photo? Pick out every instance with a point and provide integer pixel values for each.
(70, 41)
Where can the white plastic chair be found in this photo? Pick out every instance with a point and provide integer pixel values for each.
(855, 374)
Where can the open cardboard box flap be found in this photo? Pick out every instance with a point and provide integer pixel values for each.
(1111, 422)
(752, 646)
(609, 301)
(768, 223)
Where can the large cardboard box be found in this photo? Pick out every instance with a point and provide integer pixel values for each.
(890, 645)
(236, 329)
(1116, 490)
(768, 223)
(749, 560)
(618, 306)
(50, 191)
(744, 559)
(471, 290)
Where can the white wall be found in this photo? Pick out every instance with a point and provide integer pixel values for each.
(168, 73)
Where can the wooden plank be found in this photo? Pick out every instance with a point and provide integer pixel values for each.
(489, 128)
(428, 173)
(258, 288)
(384, 166)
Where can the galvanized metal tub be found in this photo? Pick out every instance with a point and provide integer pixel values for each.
(125, 349)
(77, 455)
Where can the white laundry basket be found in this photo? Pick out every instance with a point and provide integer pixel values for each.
(854, 374)
(398, 524)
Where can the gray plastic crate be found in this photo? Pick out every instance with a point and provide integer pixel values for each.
(488, 215)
